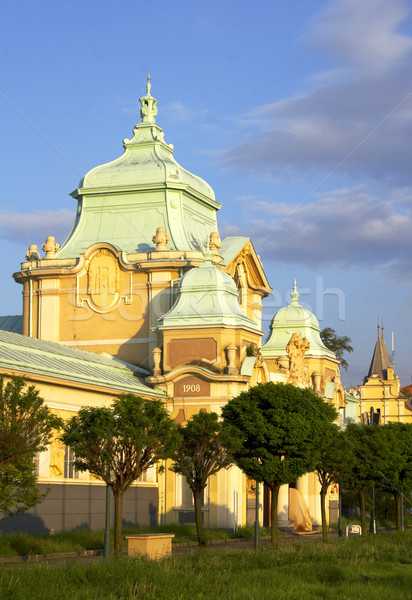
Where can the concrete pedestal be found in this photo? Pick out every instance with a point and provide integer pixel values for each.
(154, 545)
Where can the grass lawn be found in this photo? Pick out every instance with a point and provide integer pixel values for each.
(22, 544)
(349, 569)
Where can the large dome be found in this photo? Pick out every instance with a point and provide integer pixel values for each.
(207, 296)
(123, 202)
(294, 319)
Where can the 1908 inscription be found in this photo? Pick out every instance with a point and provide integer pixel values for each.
(192, 386)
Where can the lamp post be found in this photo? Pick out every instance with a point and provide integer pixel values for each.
(257, 517)
(107, 523)
(373, 520)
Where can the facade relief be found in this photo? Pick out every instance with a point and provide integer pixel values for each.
(296, 350)
(103, 280)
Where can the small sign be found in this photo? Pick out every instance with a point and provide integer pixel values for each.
(353, 530)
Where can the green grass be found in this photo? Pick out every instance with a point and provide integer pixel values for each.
(345, 569)
(77, 541)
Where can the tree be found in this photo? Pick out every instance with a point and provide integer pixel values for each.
(119, 443)
(393, 461)
(334, 456)
(26, 427)
(18, 487)
(338, 344)
(276, 430)
(359, 470)
(202, 452)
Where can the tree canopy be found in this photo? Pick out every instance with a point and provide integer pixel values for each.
(26, 427)
(202, 452)
(117, 444)
(333, 458)
(276, 430)
(338, 344)
(393, 461)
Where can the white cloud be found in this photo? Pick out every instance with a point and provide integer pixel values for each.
(34, 227)
(364, 34)
(362, 123)
(178, 111)
(345, 229)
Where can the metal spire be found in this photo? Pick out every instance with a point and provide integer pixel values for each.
(295, 294)
(148, 110)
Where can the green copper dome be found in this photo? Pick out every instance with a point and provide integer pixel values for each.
(294, 319)
(123, 202)
(207, 296)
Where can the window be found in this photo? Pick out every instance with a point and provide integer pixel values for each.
(69, 470)
(184, 495)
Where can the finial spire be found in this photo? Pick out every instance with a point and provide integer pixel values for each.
(295, 294)
(148, 110)
(378, 329)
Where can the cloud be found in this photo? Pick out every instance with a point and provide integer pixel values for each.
(359, 124)
(180, 112)
(346, 229)
(34, 227)
(363, 34)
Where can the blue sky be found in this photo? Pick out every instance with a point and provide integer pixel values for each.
(299, 114)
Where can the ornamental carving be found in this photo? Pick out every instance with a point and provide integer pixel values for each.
(57, 453)
(161, 239)
(296, 350)
(50, 247)
(214, 242)
(103, 280)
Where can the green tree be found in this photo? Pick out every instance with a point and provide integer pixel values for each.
(277, 430)
(393, 461)
(334, 457)
(359, 470)
(26, 427)
(119, 443)
(202, 452)
(18, 487)
(338, 344)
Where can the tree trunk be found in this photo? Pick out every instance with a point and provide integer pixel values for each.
(197, 497)
(274, 514)
(362, 507)
(398, 520)
(323, 493)
(118, 512)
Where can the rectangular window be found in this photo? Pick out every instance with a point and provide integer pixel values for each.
(184, 495)
(69, 470)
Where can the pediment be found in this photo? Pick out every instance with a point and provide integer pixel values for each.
(246, 256)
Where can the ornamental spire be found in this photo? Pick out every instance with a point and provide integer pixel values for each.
(148, 110)
(295, 294)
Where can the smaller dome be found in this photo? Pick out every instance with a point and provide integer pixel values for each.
(207, 296)
(294, 319)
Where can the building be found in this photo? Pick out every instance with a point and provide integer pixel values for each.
(380, 398)
(145, 284)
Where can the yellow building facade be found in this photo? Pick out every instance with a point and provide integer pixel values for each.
(145, 280)
(380, 398)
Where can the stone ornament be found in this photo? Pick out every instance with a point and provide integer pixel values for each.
(296, 348)
(50, 247)
(160, 239)
(157, 355)
(32, 253)
(231, 368)
(214, 242)
(103, 281)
